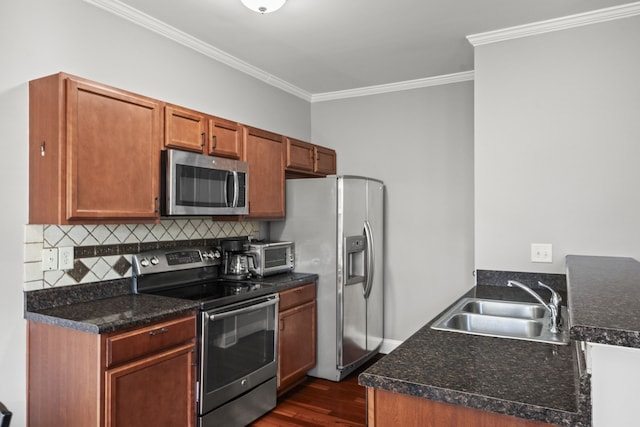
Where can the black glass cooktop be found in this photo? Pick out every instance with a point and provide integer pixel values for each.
(213, 290)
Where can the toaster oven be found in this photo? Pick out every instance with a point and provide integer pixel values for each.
(271, 257)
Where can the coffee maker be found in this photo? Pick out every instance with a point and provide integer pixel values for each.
(236, 262)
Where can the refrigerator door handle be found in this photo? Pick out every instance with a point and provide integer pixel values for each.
(370, 263)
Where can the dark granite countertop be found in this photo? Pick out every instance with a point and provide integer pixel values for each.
(113, 313)
(603, 298)
(110, 306)
(525, 379)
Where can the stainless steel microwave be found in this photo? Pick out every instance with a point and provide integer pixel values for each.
(199, 185)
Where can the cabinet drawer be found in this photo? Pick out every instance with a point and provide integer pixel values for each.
(297, 296)
(140, 342)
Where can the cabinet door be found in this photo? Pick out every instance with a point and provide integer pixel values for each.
(264, 153)
(324, 161)
(225, 139)
(300, 155)
(184, 129)
(156, 391)
(387, 408)
(296, 343)
(113, 153)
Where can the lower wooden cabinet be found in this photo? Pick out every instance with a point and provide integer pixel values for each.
(296, 335)
(163, 382)
(385, 408)
(140, 377)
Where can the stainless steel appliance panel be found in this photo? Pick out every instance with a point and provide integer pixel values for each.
(244, 409)
(195, 184)
(312, 218)
(352, 307)
(325, 216)
(375, 299)
(238, 351)
(271, 257)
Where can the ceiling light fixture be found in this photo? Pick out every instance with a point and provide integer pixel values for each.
(263, 6)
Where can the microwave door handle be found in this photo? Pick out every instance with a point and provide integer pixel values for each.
(233, 203)
(236, 189)
(224, 191)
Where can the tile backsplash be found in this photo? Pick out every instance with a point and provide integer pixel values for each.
(103, 252)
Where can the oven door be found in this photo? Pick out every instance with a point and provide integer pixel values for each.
(238, 350)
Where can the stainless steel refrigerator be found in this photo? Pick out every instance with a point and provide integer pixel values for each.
(337, 224)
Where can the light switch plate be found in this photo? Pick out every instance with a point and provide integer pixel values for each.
(541, 252)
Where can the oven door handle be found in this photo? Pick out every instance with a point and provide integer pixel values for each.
(245, 308)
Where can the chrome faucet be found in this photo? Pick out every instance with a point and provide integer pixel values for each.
(553, 306)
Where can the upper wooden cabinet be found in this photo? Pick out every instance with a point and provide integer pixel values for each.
(264, 152)
(299, 155)
(305, 159)
(324, 160)
(94, 153)
(184, 129)
(194, 131)
(225, 139)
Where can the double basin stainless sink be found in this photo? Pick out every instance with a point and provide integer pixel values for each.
(504, 319)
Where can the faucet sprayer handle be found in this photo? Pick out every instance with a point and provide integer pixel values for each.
(555, 297)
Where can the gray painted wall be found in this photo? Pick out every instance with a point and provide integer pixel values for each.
(557, 143)
(557, 136)
(41, 37)
(420, 143)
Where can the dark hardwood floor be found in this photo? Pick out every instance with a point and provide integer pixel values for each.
(319, 402)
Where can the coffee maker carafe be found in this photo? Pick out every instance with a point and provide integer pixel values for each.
(237, 263)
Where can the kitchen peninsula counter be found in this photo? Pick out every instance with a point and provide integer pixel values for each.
(105, 307)
(603, 299)
(530, 380)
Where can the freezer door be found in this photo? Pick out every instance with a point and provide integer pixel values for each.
(375, 221)
(352, 309)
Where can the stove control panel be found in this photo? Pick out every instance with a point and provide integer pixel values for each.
(172, 259)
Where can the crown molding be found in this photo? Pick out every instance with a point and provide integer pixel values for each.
(150, 23)
(142, 19)
(394, 87)
(557, 24)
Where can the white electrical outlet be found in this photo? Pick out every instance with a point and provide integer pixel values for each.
(49, 259)
(541, 252)
(65, 258)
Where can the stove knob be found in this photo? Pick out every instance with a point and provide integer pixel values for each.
(144, 262)
(155, 260)
(216, 254)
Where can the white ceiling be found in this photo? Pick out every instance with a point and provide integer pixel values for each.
(322, 46)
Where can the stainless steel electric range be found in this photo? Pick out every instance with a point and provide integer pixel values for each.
(237, 331)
